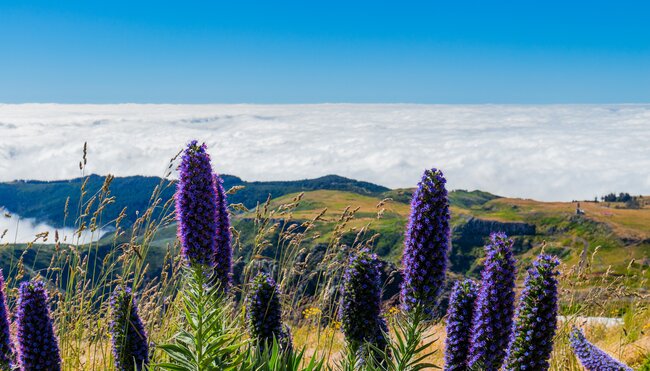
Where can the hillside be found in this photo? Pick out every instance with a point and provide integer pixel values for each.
(45, 201)
(620, 236)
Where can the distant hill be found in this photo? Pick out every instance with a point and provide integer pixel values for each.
(614, 238)
(608, 240)
(45, 200)
(621, 234)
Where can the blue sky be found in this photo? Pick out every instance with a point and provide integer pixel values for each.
(325, 51)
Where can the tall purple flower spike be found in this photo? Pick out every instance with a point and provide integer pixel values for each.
(7, 353)
(37, 343)
(128, 336)
(536, 320)
(360, 312)
(459, 324)
(223, 250)
(426, 243)
(196, 206)
(591, 357)
(264, 313)
(494, 306)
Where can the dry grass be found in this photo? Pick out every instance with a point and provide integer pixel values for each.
(335, 202)
(611, 339)
(626, 223)
(80, 302)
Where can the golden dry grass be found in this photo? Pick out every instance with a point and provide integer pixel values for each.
(312, 203)
(612, 339)
(627, 223)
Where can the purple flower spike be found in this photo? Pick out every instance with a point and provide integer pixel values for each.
(7, 354)
(128, 336)
(494, 306)
(426, 243)
(459, 324)
(196, 206)
(223, 250)
(264, 313)
(37, 343)
(536, 320)
(360, 312)
(591, 357)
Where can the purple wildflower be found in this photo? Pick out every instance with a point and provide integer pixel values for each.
(223, 250)
(37, 343)
(459, 324)
(264, 313)
(360, 312)
(591, 357)
(494, 306)
(536, 320)
(426, 243)
(129, 339)
(7, 354)
(196, 206)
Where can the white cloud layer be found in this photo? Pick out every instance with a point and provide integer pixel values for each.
(14, 229)
(552, 152)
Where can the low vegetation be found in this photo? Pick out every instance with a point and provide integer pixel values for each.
(298, 251)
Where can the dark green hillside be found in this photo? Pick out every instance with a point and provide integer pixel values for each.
(45, 200)
(255, 192)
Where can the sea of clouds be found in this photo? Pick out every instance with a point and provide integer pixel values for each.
(547, 152)
(14, 229)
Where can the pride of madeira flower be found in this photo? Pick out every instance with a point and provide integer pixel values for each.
(264, 313)
(7, 353)
(223, 249)
(494, 306)
(536, 319)
(197, 207)
(37, 342)
(128, 337)
(360, 311)
(459, 324)
(426, 243)
(591, 357)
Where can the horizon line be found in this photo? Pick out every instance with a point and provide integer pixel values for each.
(319, 103)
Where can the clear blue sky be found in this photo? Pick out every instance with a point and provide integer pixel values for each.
(241, 51)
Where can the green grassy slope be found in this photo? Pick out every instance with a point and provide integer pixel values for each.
(620, 236)
(46, 201)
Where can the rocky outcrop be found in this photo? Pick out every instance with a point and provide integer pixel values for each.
(474, 231)
(469, 237)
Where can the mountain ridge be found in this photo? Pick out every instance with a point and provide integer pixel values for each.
(45, 201)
